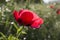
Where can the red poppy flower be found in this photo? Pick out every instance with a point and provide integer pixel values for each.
(27, 17)
(58, 11)
(52, 6)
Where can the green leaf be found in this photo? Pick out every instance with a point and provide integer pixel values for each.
(11, 37)
(15, 26)
(23, 32)
(4, 37)
(1, 38)
(19, 30)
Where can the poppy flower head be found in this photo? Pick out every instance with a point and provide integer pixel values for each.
(58, 11)
(27, 17)
(52, 6)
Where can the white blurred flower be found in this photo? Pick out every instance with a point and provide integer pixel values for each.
(57, 24)
(12, 22)
(54, 3)
(8, 10)
(48, 36)
(24, 38)
(7, 0)
(3, 15)
(49, 13)
(3, 18)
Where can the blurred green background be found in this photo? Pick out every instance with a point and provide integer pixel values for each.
(10, 30)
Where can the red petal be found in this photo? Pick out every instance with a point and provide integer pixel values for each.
(15, 14)
(36, 23)
(26, 17)
(21, 11)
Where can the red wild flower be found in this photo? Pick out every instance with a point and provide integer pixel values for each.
(52, 6)
(28, 18)
(58, 11)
